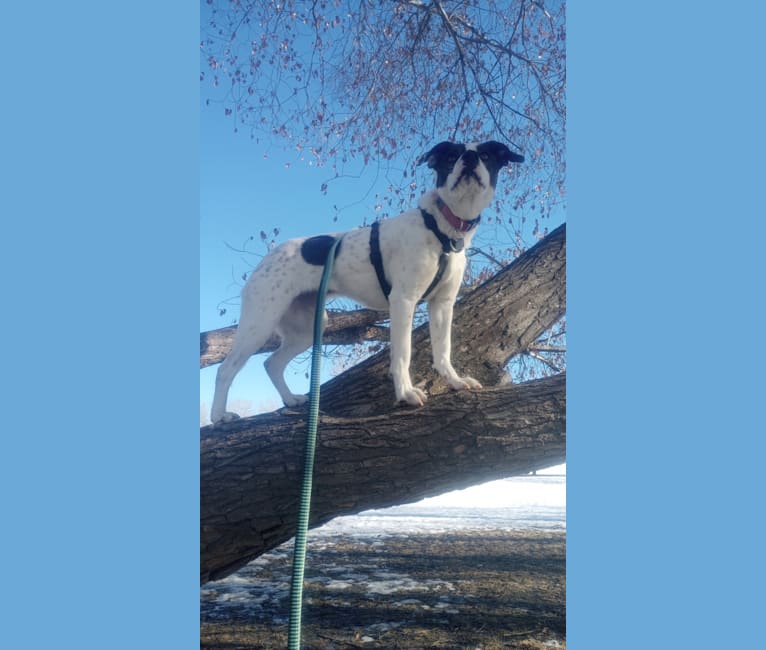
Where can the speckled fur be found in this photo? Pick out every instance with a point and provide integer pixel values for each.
(281, 292)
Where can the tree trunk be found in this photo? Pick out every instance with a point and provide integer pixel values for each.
(371, 453)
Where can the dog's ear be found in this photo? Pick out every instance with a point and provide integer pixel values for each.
(441, 151)
(502, 154)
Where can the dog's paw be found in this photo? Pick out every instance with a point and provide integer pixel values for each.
(413, 396)
(296, 400)
(228, 416)
(464, 383)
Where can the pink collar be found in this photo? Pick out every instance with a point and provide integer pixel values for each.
(461, 225)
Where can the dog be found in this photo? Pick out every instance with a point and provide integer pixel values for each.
(391, 265)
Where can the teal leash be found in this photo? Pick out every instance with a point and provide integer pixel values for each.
(299, 552)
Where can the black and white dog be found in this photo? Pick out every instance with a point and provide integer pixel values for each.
(392, 265)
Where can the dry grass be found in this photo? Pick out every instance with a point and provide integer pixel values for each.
(489, 590)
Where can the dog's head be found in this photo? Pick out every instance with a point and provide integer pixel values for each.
(467, 174)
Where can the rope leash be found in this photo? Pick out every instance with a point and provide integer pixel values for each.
(299, 552)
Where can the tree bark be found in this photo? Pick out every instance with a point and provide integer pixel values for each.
(371, 453)
(251, 469)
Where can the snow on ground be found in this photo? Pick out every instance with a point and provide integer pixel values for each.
(524, 503)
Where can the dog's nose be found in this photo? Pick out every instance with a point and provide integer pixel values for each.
(470, 160)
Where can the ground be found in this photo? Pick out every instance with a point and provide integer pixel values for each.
(487, 590)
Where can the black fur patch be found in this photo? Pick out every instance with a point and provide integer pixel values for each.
(442, 158)
(495, 156)
(315, 249)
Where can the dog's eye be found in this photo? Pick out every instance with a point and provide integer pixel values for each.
(452, 160)
(484, 156)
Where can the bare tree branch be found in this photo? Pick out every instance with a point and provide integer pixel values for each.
(343, 328)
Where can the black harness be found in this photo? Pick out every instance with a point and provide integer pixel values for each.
(448, 246)
(377, 260)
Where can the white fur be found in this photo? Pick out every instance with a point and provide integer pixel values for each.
(280, 294)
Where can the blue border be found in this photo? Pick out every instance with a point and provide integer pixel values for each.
(100, 460)
(665, 274)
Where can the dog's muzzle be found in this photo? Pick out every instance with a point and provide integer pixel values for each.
(470, 163)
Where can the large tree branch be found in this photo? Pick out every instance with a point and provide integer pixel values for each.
(251, 469)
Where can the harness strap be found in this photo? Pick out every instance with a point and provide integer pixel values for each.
(448, 246)
(443, 261)
(377, 259)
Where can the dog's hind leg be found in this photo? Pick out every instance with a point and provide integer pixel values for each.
(296, 330)
(244, 346)
(254, 329)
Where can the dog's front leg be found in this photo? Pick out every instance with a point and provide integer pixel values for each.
(402, 311)
(440, 327)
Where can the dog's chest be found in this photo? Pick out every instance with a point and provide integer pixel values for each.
(410, 257)
(353, 275)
